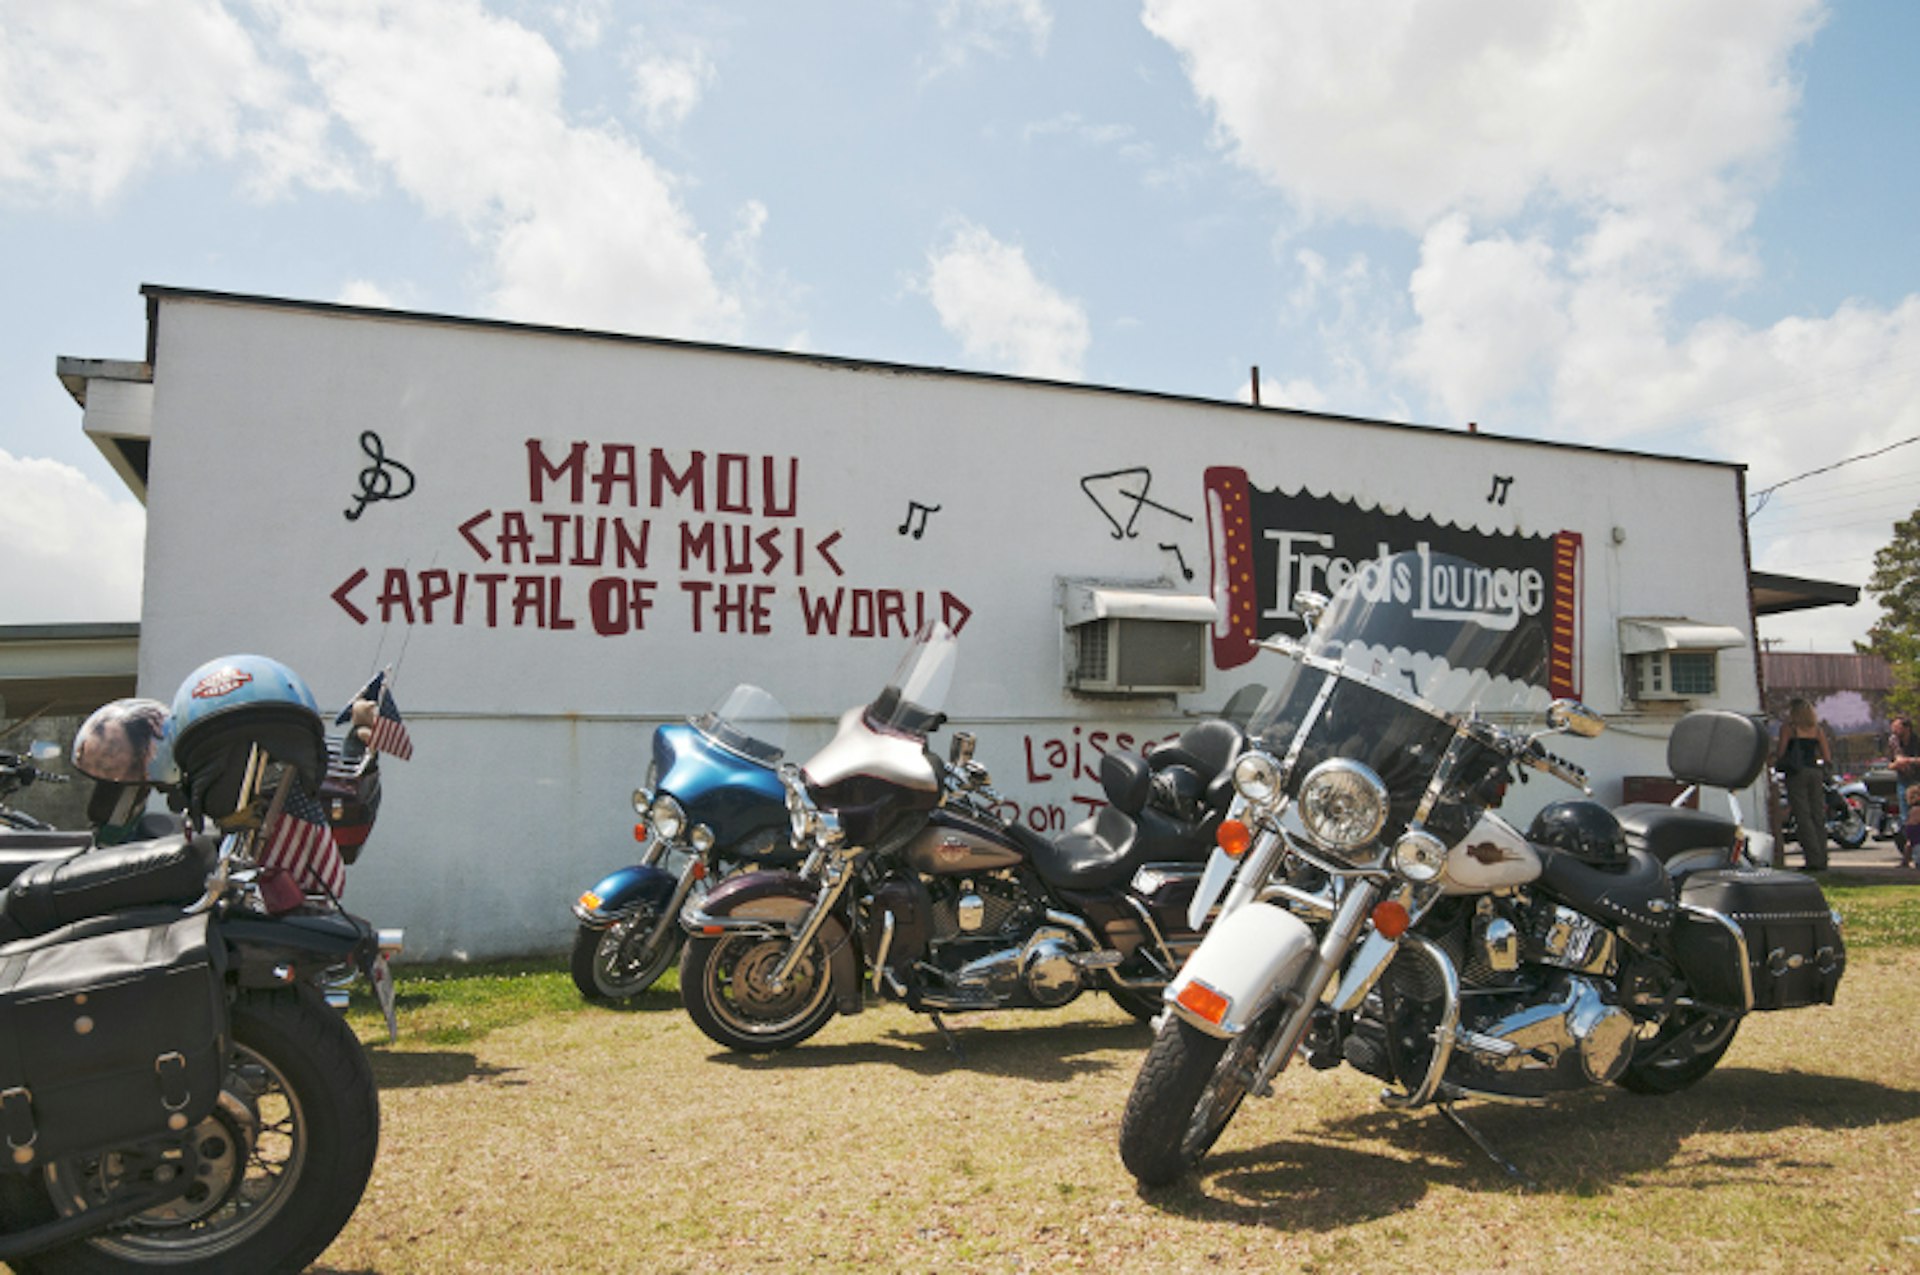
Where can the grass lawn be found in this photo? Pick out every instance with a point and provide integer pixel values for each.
(525, 1131)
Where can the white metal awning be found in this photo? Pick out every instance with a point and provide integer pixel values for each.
(1085, 603)
(1640, 635)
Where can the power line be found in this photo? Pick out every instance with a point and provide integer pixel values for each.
(1761, 497)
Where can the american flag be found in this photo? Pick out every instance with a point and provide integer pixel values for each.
(300, 843)
(389, 732)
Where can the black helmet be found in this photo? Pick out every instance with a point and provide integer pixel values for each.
(1586, 830)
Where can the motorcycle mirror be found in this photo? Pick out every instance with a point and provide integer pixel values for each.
(1309, 606)
(1575, 718)
(961, 750)
(42, 750)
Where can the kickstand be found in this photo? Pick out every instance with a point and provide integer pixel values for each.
(946, 1034)
(1507, 1166)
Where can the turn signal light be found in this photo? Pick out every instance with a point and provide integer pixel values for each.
(1390, 919)
(642, 830)
(1234, 838)
(1203, 1000)
(699, 870)
(590, 901)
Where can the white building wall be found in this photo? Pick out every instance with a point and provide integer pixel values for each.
(532, 730)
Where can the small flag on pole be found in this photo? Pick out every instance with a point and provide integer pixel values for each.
(300, 843)
(388, 733)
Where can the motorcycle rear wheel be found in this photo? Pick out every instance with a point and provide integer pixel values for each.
(1850, 832)
(615, 964)
(300, 1116)
(723, 984)
(1662, 1066)
(1189, 1087)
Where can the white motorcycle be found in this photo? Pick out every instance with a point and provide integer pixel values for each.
(1381, 914)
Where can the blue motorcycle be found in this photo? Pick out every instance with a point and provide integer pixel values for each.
(713, 805)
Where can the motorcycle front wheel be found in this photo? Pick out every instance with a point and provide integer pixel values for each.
(624, 959)
(1849, 831)
(282, 1161)
(1189, 1086)
(723, 982)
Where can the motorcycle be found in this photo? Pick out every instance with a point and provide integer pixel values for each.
(713, 805)
(1380, 913)
(1847, 823)
(1875, 796)
(913, 875)
(176, 1091)
(22, 770)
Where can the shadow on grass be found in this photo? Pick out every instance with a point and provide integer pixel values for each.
(1584, 1144)
(1046, 1053)
(423, 1069)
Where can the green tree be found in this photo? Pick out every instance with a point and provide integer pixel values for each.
(1895, 636)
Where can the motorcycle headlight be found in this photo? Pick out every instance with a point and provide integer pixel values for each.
(1256, 778)
(642, 801)
(1342, 804)
(669, 820)
(701, 838)
(1419, 855)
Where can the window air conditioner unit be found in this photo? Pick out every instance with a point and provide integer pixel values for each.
(1136, 641)
(1673, 659)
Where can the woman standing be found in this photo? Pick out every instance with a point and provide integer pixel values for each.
(1802, 755)
(1904, 745)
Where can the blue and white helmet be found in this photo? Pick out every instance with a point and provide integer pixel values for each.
(229, 706)
(129, 741)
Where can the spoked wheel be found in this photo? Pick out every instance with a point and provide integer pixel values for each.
(625, 959)
(1849, 831)
(1188, 1089)
(1684, 1048)
(725, 984)
(278, 1167)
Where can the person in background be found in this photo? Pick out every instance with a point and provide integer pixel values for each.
(1903, 745)
(1802, 756)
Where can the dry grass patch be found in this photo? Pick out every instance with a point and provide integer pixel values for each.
(571, 1138)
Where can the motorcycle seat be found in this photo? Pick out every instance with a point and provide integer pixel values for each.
(1162, 839)
(20, 850)
(1666, 831)
(97, 882)
(1638, 892)
(1096, 854)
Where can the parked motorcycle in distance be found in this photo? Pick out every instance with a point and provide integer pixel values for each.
(913, 876)
(220, 1116)
(1875, 795)
(22, 770)
(1846, 818)
(713, 804)
(1381, 914)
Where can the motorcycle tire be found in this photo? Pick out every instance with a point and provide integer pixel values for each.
(1143, 1006)
(722, 985)
(606, 967)
(299, 1087)
(1658, 1067)
(1850, 831)
(1189, 1087)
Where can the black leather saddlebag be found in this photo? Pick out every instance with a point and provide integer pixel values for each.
(1757, 931)
(112, 1029)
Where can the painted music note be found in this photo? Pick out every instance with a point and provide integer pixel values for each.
(1186, 572)
(376, 480)
(914, 508)
(1501, 484)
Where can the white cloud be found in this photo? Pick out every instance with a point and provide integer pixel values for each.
(988, 296)
(93, 97)
(464, 109)
(987, 28)
(365, 292)
(73, 552)
(667, 87)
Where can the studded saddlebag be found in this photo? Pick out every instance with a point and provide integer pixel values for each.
(112, 1029)
(1755, 938)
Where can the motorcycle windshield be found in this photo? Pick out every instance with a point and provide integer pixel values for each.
(747, 721)
(1455, 636)
(914, 696)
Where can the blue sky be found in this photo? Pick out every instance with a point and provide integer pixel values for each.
(1684, 229)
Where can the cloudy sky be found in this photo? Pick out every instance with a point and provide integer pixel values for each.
(1679, 228)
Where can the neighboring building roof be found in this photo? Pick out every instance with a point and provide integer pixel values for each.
(1773, 594)
(47, 670)
(1825, 673)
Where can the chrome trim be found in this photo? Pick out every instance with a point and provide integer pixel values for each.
(834, 883)
(1740, 945)
(1444, 1034)
(886, 941)
(1334, 947)
(1294, 895)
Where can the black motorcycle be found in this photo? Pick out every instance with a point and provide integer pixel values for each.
(23, 770)
(913, 875)
(176, 1092)
(1847, 825)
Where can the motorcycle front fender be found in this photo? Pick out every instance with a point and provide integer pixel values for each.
(620, 894)
(774, 903)
(1249, 959)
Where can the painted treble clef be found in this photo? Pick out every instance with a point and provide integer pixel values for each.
(377, 479)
